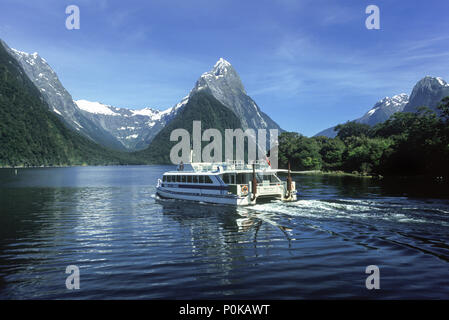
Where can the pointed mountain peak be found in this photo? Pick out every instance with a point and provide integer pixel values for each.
(429, 82)
(221, 65)
(221, 68)
(426, 87)
(225, 85)
(221, 79)
(427, 92)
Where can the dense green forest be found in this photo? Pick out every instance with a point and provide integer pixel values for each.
(407, 144)
(31, 135)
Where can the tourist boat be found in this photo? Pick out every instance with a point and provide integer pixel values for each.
(231, 182)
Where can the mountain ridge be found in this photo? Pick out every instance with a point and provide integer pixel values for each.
(133, 128)
(32, 135)
(428, 91)
(224, 83)
(58, 98)
(380, 112)
(127, 129)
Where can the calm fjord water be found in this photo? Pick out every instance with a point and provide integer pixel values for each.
(128, 244)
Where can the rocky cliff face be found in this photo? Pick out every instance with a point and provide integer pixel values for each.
(225, 85)
(428, 92)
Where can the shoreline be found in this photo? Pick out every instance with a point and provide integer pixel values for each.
(337, 173)
(332, 173)
(76, 165)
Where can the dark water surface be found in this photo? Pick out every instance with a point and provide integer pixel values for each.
(128, 244)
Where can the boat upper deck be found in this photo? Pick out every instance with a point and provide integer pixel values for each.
(234, 166)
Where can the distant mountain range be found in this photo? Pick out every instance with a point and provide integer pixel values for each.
(59, 99)
(133, 129)
(427, 92)
(32, 135)
(218, 99)
(70, 131)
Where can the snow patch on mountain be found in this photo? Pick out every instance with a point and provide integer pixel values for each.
(134, 128)
(95, 107)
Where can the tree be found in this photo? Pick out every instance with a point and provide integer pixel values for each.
(352, 129)
(331, 151)
(302, 152)
(444, 108)
(364, 154)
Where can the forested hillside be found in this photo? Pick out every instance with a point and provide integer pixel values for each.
(406, 144)
(31, 135)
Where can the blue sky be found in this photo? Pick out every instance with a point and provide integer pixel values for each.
(309, 64)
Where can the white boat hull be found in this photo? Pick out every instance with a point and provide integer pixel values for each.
(207, 198)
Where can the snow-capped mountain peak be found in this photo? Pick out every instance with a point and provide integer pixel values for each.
(430, 83)
(220, 78)
(384, 108)
(442, 82)
(382, 111)
(427, 92)
(224, 83)
(221, 67)
(133, 128)
(396, 100)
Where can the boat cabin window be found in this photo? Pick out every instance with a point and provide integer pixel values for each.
(189, 179)
(242, 178)
(178, 178)
(245, 178)
(270, 177)
(195, 179)
(229, 178)
(205, 179)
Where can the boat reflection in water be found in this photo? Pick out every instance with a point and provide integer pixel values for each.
(231, 221)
